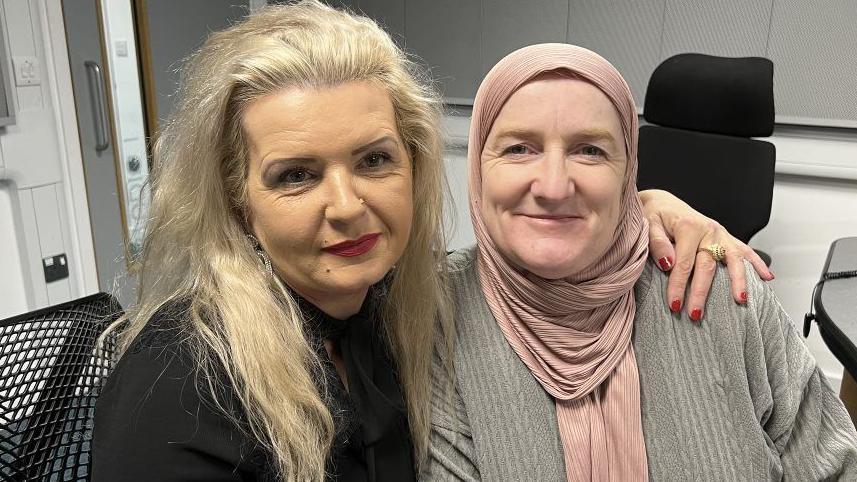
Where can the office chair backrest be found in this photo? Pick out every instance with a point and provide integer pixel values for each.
(51, 371)
(706, 109)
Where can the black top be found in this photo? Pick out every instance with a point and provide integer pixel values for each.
(155, 420)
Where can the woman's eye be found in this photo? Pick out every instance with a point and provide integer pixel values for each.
(516, 150)
(376, 160)
(592, 151)
(298, 175)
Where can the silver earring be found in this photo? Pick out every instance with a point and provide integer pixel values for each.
(263, 256)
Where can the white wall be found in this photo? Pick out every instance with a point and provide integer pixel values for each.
(808, 213)
(42, 213)
(13, 298)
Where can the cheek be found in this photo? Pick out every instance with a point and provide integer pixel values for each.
(611, 202)
(284, 224)
(502, 186)
(396, 206)
(404, 212)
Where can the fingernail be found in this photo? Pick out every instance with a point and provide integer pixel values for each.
(696, 314)
(743, 297)
(772, 275)
(675, 306)
(665, 263)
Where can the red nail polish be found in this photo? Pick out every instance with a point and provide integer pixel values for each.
(665, 263)
(696, 314)
(743, 296)
(675, 306)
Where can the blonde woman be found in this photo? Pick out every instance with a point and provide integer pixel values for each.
(323, 193)
(292, 277)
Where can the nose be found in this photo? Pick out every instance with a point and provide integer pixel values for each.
(552, 181)
(345, 204)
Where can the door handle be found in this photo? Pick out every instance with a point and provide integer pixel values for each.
(97, 93)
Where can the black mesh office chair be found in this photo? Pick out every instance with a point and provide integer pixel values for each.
(705, 109)
(51, 372)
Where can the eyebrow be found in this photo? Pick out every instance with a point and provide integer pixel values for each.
(596, 134)
(375, 143)
(593, 134)
(515, 133)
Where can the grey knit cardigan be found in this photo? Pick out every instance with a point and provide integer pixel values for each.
(736, 397)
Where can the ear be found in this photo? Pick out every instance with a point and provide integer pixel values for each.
(245, 218)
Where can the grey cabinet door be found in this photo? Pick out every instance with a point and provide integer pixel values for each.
(92, 102)
(508, 25)
(625, 32)
(730, 28)
(814, 50)
(446, 35)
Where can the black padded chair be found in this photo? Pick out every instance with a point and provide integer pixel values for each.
(51, 371)
(704, 111)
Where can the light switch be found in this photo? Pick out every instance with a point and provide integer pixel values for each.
(27, 71)
(121, 48)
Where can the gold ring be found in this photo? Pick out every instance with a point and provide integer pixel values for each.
(716, 251)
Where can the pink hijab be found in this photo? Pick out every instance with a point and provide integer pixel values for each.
(573, 334)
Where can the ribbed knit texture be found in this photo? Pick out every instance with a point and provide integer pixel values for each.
(737, 397)
(574, 334)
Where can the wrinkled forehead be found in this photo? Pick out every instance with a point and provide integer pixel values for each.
(568, 92)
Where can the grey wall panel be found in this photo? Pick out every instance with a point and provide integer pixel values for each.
(731, 28)
(446, 34)
(390, 14)
(176, 29)
(815, 62)
(625, 32)
(510, 24)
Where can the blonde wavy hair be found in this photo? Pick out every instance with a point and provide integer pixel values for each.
(241, 321)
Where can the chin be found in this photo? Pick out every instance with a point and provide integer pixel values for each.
(550, 272)
(360, 277)
(548, 260)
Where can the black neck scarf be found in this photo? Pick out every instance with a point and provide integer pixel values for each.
(376, 447)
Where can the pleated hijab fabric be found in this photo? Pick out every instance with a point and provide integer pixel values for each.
(573, 334)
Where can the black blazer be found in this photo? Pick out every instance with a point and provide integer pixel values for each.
(155, 420)
(153, 424)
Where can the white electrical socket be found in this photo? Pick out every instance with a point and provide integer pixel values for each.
(121, 47)
(27, 71)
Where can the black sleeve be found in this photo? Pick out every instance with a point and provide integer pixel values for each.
(151, 423)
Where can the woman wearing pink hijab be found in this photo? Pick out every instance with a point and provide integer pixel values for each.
(565, 368)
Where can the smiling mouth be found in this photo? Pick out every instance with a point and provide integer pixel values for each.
(552, 217)
(354, 247)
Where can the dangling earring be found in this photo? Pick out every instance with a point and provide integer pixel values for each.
(263, 256)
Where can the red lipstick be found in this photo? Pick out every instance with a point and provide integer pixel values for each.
(354, 247)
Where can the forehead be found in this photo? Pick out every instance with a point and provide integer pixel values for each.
(561, 102)
(321, 119)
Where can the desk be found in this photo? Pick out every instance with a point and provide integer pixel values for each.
(835, 304)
